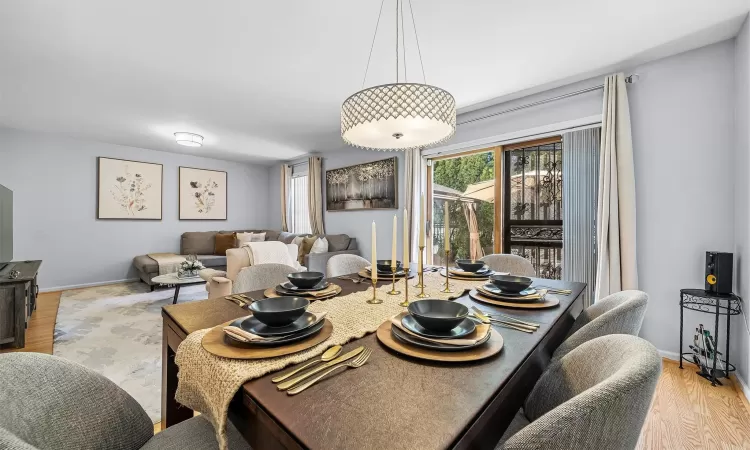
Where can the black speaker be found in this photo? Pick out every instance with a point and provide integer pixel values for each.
(719, 272)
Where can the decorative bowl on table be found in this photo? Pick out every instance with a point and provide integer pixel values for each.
(438, 315)
(510, 283)
(279, 311)
(470, 265)
(305, 280)
(384, 265)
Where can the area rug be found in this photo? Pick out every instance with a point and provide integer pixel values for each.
(116, 331)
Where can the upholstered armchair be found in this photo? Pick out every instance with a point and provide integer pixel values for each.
(220, 283)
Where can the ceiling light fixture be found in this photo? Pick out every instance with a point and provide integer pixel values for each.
(400, 115)
(188, 139)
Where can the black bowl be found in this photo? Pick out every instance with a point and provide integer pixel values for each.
(470, 265)
(279, 311)
(305, 280)
(510, 283)
(438, 315)
(384, 265)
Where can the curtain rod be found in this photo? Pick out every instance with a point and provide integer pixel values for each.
(629, 79)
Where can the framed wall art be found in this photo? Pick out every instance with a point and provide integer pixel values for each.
(203, 194)
(372, 185)
(129, 190)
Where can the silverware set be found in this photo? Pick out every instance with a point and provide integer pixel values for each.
(331, 363)
(552, 290)
(504, 320)
(354, 280)
(241, 300)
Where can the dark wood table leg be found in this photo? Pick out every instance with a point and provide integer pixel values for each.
(176, 294)
(172, 412)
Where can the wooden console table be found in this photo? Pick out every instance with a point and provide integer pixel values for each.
(17, 301)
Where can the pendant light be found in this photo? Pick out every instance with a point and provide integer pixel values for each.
(400, 115)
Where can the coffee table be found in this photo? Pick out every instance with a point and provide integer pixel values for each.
(173, 279)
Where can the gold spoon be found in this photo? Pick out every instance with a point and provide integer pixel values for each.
(328, 355)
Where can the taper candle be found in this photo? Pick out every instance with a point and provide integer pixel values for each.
(393, 244)
(374, 267)
(447, 227)
(421, 220)
(407, 242)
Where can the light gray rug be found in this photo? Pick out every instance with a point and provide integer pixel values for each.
(116, 331)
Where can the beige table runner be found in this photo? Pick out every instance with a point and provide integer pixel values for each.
(207, 383)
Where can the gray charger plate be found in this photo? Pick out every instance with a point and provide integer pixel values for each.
(467, 326)
(292, 288)
(288, 339)
(497, 291)
(403, 337)
(252, 325)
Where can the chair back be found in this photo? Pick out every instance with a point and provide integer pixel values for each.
(595, 397)
(49, 402)
(618, 313)
(516, 265)
(262, 276)
(344, 265)
(239, 258)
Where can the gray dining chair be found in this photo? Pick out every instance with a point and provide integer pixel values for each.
(52, 403)
(595, 397)
(262, 276)
(618, 313)
(516, 265)
(345, 264)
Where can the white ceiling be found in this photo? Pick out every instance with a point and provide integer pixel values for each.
(263, 80)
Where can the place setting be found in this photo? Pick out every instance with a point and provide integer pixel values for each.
(468, 270)
(278, 326)
(386, 269)
(513, 292)
(311, 285)
(440, 330)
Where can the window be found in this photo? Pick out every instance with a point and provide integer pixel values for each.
(299, 217)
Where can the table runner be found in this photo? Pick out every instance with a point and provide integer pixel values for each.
(207, 383)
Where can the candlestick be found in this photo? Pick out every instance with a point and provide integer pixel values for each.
(374, 264)
(447, 289)
(405, 303)
(393, 290)
(374, 300)
(447, 221)
(407, 243)
(393, 246)
(421, 221)
(421, 275)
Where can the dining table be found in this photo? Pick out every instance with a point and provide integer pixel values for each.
(393, 401)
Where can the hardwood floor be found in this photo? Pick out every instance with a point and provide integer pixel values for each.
(687, 412)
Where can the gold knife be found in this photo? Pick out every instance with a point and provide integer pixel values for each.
(346, 356)
(478, 312)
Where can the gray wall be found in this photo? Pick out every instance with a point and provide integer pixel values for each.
(54, 184)
(740, 340)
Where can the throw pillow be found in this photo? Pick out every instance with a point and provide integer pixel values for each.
(243, 238)
(320, 246)
(304, 247)
(224, 242)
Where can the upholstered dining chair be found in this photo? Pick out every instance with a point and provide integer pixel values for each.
(516, 265)
(595, 397)
(618, 313)
(52, 403)
(262, 276)
(345, 264)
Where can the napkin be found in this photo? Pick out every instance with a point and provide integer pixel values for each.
(480, 333)
(245, 336)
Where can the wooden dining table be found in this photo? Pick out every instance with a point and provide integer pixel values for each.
(393, 401)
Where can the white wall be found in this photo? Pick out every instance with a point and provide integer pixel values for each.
(53, 179)
(740, 341)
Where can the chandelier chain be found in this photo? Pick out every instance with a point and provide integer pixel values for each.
(416, 36)
(374, 35)
(397, 42)
(403, 42)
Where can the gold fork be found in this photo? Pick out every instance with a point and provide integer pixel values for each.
(359, 361)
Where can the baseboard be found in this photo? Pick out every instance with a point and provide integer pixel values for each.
(84, 285)
(669, 355)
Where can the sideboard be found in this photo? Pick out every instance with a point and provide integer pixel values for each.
(17, 301)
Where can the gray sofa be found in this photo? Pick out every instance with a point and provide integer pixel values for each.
(201, 243)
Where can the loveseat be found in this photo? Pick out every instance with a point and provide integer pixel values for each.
(202, 244)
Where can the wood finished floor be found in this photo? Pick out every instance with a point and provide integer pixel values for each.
(687, 412)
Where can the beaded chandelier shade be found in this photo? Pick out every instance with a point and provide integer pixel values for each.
(398, 116)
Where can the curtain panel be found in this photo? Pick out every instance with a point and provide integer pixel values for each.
(412, 189)
(581, 177)
(315, 192)
(286, 178)
(615, 217)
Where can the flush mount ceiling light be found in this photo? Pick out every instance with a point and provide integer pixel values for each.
(188, 139)
(400, 115)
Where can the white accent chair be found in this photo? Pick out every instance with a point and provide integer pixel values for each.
(220, 283)
(345, 265)
(514, 264)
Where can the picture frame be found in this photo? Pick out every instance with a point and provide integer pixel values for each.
(367, 186)
(203, 194)
(128, 190)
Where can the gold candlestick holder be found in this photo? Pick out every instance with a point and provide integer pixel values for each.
(393, 290)
(405, 303)
(420, 275)
(374, 300)
(447, 289)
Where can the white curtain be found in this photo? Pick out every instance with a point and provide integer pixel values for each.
(286, 178)
(615, 215)
(315, 190)
(580, 174)
(412, 190)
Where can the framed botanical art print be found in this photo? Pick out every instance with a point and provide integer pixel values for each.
(203, 194)
(128, 190)
(372, 185)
